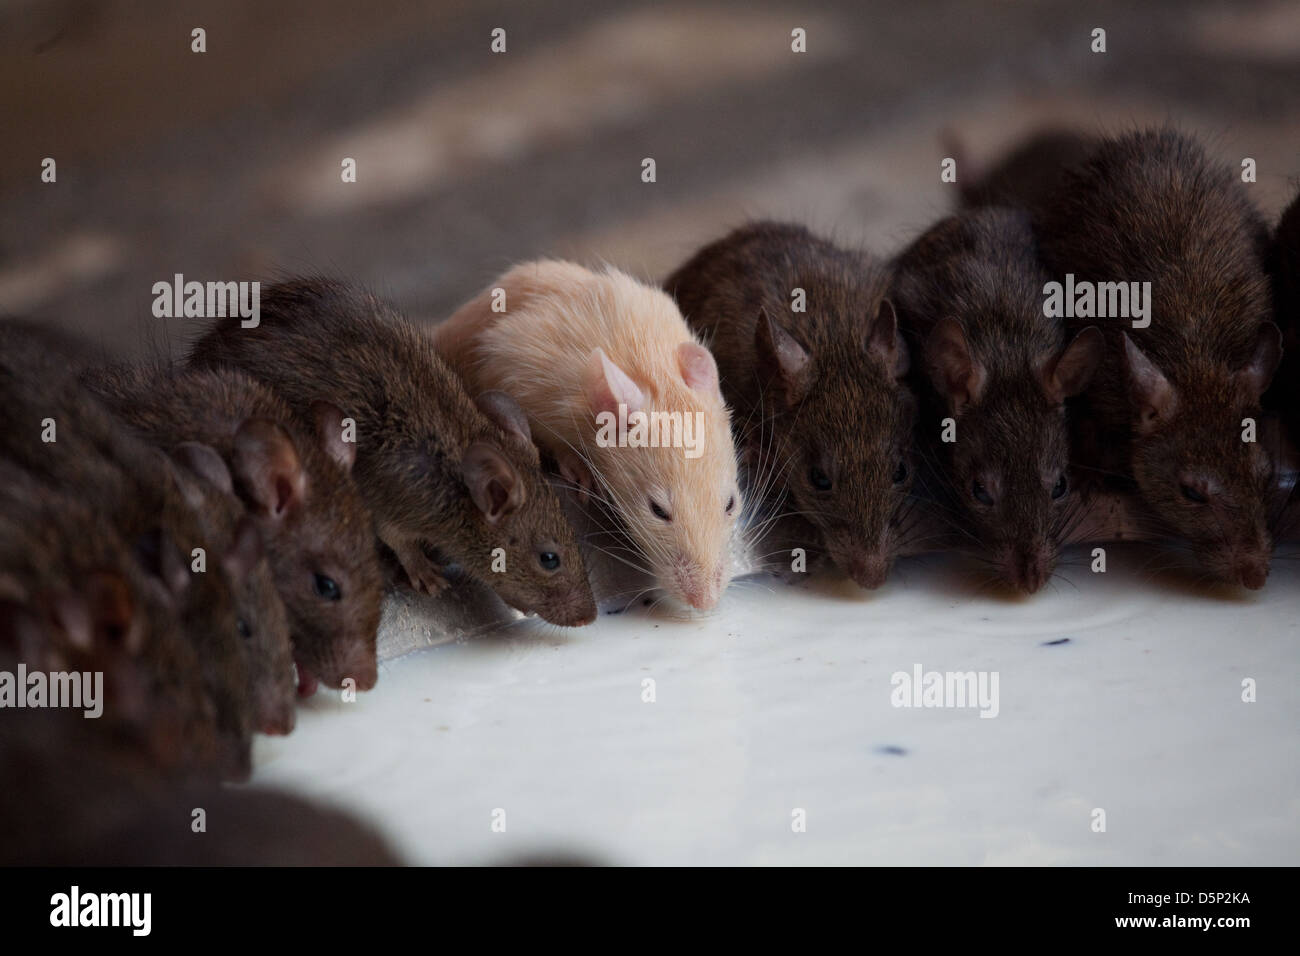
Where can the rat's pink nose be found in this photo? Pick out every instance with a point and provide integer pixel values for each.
(701, 589)
(1028, 568)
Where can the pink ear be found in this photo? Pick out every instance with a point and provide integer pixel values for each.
(608, 386)
(699, 371)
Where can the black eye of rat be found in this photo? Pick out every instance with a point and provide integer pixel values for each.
(1191, 494)
(1058, 489)
(731, 504)
(819, 479)
(245, 631)
(327, 589)
(549, 560)
(900, 472)
(659, 512)
(981, 493)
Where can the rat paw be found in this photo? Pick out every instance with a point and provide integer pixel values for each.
(424, 576)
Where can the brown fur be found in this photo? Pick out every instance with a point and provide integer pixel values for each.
(423, 445)
(315, 522)
(969, 293)
(836, 404)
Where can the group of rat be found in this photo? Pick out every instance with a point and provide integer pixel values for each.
(216, 535)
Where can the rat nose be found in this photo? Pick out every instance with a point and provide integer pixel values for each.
(1252, 573)
(1028, 568)
(868, 569)
(701, 589)
(278, 720)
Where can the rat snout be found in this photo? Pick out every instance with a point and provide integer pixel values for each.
(698, 587)
(277, 718)
(1251, 571)
(364, 669)
(1028, 566)
(868, 569)
(577, 610)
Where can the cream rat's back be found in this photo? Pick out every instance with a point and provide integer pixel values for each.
(570, 344)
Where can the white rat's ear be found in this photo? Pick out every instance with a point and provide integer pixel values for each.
(493, 483)
(329, 429)
(608, 386)
(886, 341)
(1255, 375)
(1069, 373)
(505, 412)
(781, 357)
(1155, 398)
(957, 376)
(699, 371)
(268, 467)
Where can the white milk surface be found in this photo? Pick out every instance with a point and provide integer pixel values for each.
(781, 702)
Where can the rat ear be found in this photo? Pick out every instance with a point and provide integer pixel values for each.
(953, 370)
(1069, 373)
(493, 482)
(699, 370)
(112, 611)
(244, 552)
(885, 341)
(608, 386)
(268, 466)
(1156, 399)
(781, 357)
(202, 460)
(505, 412)
(158, 557)
(1255, 375)
(329, 429)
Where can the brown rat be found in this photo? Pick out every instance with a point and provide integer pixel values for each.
(1027, 176)
(818, 396)
(436, 467)
(969, 293)
(155, 505)
(1172, 397)
(573, 347)
(297, 483)
(107, 813)
(1284, 394)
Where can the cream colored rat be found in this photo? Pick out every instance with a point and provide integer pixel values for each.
(571, 346)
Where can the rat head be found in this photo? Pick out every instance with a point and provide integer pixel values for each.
(1192, 460)
(320, 541)
(1009, 465)
(842, 426)
(260, 619)
(518, 538)
(670, 474)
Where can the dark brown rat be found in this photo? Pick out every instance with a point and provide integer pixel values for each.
(1027, 176)
(298, 484)
(969, 294)
(1283, 396)
(818, 396)
(72, 799)
(1172, 398)
(156, 507)
(437, 468)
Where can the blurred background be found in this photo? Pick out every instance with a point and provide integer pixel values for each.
(226, 164)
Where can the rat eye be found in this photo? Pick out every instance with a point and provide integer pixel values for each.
(731, 504)
(245, 630)
(819, 479)
(548, 560)
(1058, 489)
(900, 472)
(327, 589)
(980, 493)
(1191, 494)
(659, 512)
